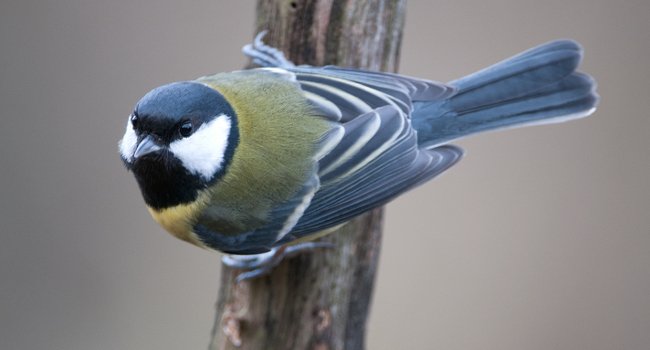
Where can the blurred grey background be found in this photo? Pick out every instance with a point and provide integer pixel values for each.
(538, 239)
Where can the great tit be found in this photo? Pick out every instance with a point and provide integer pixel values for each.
(247, 161)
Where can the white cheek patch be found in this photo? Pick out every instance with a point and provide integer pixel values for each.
(202, 153)
(129, 142)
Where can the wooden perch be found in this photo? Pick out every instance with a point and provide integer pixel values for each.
(319, 300)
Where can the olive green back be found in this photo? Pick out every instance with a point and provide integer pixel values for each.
(278, 137)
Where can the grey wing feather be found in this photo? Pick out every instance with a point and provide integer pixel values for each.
(375, 89)
(356, 177)
(373, 187)
(377, 157)
(365, 138)
(418, 89)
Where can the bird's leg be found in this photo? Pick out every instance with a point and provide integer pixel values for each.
(261, 264)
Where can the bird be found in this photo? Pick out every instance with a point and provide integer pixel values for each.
(256, 163)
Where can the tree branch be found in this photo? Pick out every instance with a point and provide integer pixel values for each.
(319, 300)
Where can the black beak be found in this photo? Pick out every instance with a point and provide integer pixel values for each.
(147, 145)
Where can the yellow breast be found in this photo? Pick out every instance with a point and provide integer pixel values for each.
(178, 220)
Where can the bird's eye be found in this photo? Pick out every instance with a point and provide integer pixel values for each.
(134, 120)
(186, 129)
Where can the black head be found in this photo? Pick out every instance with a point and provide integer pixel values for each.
(179, 139)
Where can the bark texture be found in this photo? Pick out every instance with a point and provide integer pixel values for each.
(319, 300)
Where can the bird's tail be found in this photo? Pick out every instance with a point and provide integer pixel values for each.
(538, 86)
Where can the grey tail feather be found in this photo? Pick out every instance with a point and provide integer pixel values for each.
(538, 86)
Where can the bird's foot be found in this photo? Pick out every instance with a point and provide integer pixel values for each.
(258, 265)
(264, 55)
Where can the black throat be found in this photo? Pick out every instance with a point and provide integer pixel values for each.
(164, 182)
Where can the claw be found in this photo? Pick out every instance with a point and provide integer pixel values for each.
(264, 55)
(261, 264)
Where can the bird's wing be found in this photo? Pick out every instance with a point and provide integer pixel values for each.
(375, 155)
(376, 160)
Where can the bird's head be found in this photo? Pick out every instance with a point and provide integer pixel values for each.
(179, 139)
